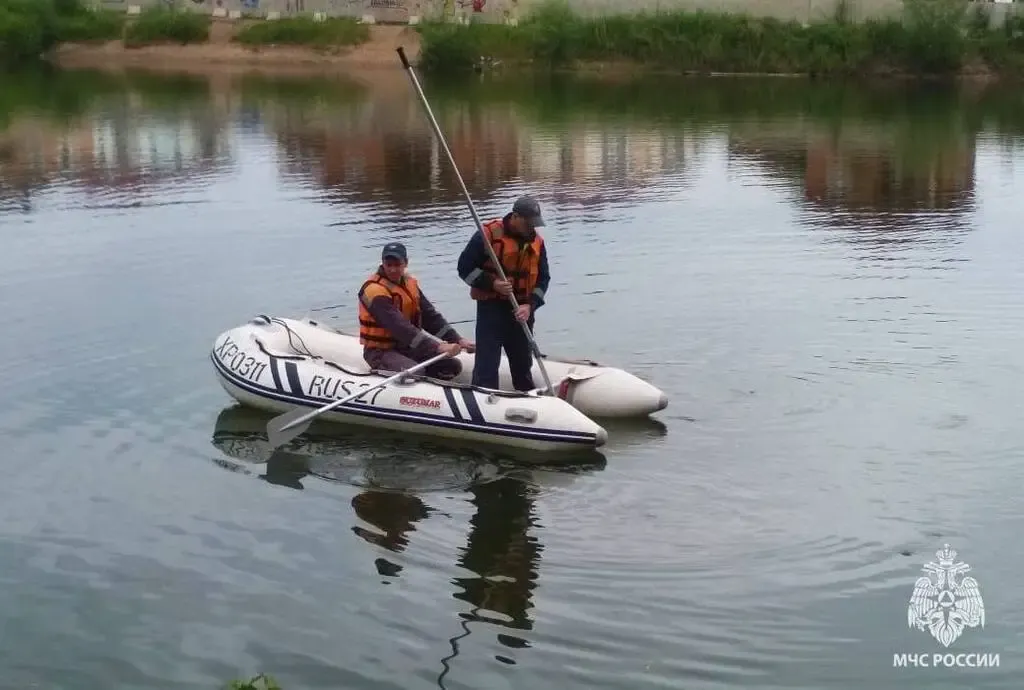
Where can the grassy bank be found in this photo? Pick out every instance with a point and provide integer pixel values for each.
(159, 24)
(933, 37)
(304, 31)
(29, 29)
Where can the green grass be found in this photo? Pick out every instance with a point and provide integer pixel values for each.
(90, 26)
(932, 37)
(304, 31)
(158, 24)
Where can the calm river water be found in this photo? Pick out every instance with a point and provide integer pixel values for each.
(826, 280)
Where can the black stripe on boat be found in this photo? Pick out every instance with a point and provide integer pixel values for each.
(450, 396)
(364, 409)
(471, 405)
(275, 373)
(292, 372)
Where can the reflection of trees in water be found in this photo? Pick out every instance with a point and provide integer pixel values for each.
(394, 160)
(379, 153)
(125, 143)
(887, 180)
(17, 180)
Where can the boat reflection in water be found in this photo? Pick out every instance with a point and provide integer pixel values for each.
(502, 548)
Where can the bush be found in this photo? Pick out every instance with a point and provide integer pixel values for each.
(158, 24)
(932, 37)
(90, 26)
(28, 28)
(337, 31)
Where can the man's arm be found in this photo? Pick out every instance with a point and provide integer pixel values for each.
(543, 280)
(471, 262)
(435, 323)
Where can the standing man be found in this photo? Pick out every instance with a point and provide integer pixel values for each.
(524, 259)
(396, 321)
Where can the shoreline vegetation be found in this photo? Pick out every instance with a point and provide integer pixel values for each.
(933, 38)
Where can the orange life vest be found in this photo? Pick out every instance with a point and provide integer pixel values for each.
(404, 295)
(521, 265)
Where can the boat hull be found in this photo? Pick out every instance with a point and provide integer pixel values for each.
(278, 365)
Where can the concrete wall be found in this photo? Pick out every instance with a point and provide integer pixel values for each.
(800, 10)
(510, 10)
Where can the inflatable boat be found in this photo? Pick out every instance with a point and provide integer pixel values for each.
(279, 364)
(598, 391)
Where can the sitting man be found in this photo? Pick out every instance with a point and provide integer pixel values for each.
(396, 321)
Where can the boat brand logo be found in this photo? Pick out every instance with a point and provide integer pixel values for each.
(948, 604)
(410, 401)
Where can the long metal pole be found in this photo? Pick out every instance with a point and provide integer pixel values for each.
(472, 211)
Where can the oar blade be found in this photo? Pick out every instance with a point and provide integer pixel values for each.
(278, 435)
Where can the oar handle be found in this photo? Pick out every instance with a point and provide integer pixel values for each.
(472, 210)
(361, 391)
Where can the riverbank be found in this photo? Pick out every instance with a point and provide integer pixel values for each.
(220, 52)
(71, 34)
(935, 38)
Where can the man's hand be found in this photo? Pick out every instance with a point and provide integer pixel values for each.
(450, 349)
(503, 287)
(523, 313)
(467, 345)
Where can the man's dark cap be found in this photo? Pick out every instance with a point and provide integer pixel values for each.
(528, 208)
(394, 250)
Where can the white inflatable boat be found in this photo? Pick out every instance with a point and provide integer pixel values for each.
(277, 364)
(597, 391)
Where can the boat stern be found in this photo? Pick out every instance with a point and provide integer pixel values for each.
(611, 393)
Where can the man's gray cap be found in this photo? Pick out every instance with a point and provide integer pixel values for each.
(529, 209)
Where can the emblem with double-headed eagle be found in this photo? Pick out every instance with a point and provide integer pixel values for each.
(949, 604)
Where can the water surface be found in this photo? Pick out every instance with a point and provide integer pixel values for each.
(825, 279)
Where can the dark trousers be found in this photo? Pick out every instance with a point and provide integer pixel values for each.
(396, 361)
(497, 329)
